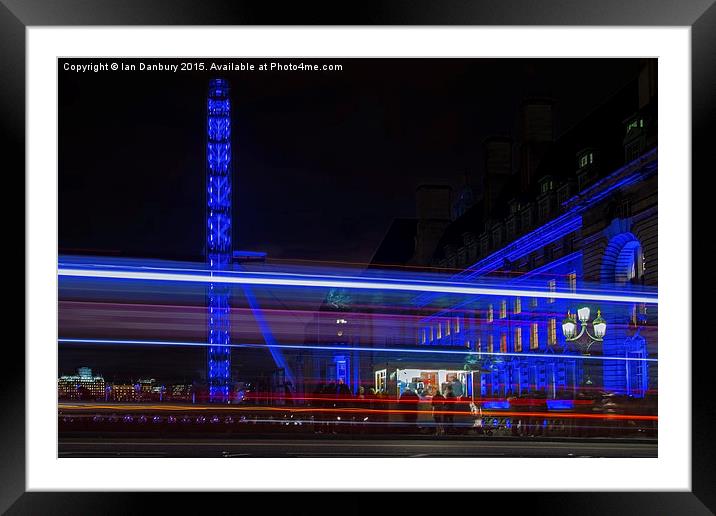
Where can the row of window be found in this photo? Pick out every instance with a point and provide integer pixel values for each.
(444, 328)
(440, 329)
(534, 335)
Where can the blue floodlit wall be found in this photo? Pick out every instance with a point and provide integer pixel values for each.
(499, 325)
(218, 238)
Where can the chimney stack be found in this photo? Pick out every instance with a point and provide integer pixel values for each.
(433, 212)
(498, 170)
(536, 136)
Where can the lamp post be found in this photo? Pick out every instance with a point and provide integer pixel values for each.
(569, 329)
(584, 340)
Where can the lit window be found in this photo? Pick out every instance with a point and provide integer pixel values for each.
(479, 344)
(440, 335)
(490, 343)
(490, 314)
(503, 309)
(380, 379)
(534, 336)
(423, 335)
(572, 278)
(503, 343)
(518, 305)
(457, 324)
(552, 288)
(447, 327)
(533, 302)
(552, 332)
(431, 334)
(518, 340)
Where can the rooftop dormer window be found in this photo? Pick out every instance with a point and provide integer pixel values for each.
(586, 158)
(546, 184)
(636, 123)
(635, 137)
(586, 167)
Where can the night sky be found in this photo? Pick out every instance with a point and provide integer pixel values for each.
(323, 160)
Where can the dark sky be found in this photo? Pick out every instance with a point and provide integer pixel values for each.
(323, 160)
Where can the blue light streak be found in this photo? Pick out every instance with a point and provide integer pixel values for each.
(577, 255)
(326, 281)
(640, 168)
(554, 230)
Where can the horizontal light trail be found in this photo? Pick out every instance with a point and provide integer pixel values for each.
(348, 282)
(173, 310)
(253, 396)
(358, 411)
(345, 349)
(350, 400)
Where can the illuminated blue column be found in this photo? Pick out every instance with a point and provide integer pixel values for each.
(218, 238)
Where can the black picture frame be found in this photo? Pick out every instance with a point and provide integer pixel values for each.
(17, 15)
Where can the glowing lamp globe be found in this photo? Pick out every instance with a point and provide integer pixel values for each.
(600, 326)
(583, 314)
(569, 326)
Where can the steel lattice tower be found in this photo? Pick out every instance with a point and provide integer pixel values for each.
(218, 238)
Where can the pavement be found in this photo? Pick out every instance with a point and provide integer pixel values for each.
(333, 446)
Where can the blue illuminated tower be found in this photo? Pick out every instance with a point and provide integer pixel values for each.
(218, 238)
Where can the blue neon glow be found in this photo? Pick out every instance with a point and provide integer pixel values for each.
(560, 404)
(218, 239)
(500, 404)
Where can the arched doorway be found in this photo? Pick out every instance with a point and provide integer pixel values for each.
(623, 260)
(622, 264)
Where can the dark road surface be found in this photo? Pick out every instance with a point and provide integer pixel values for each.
(276, 447)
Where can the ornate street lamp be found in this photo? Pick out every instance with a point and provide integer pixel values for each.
(584, 339)
(569, 328)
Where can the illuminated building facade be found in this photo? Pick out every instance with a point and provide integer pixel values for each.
(82, 386)
(123, 392)
(181, 392)
(144, 388)
(218, 238)
(584, 214)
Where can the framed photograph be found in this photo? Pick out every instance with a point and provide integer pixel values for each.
(336, 250)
